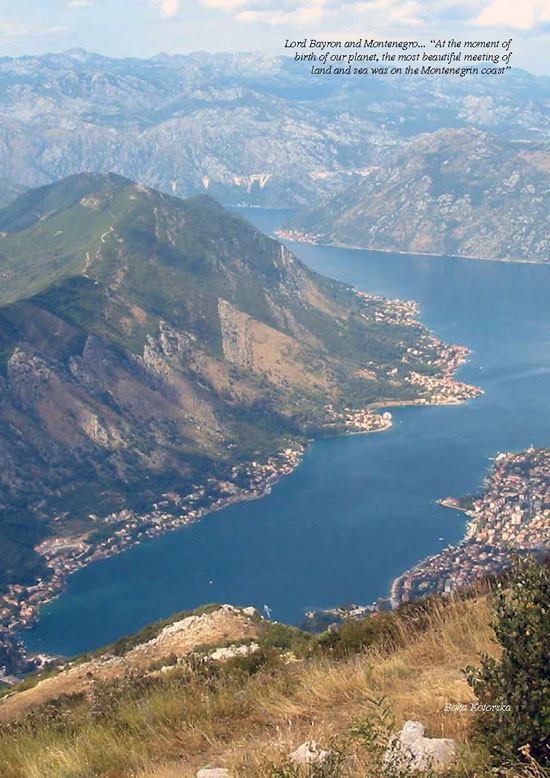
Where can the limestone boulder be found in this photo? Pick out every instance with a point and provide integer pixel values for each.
(411, 752)
(309, 753)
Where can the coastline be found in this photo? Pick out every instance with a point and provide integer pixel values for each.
(452, 502)
(398, 585)
(296, 236)
(303, 237)
(292, 458)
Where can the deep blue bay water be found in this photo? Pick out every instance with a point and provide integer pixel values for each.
(361, 509)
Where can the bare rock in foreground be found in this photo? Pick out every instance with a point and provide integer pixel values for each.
(213, 772)
(309, 753)
(411, 752)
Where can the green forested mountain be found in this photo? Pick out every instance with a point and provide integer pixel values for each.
(148, 343)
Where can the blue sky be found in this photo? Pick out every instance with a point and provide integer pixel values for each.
(146, 27)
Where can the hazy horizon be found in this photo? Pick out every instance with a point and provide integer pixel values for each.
(191, 53)
(142, 28)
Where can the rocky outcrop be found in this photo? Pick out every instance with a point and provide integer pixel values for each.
(230, 652)
(176, 641)
(213, 772)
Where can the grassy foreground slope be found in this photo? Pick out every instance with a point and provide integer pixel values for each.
(249, 713)
(222, 687)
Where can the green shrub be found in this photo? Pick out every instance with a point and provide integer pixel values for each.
(353, 636)
(516, 687)
(274, 636)
(375, 732)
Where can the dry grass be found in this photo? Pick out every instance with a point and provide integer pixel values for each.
(246, 722)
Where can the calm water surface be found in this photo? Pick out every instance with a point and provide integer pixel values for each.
(361, 509)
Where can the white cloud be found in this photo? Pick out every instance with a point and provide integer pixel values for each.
(409, 12)
(224, 5)
(307, 12)
(12, 30)
(168, 8)
(80, 3)
(518, 15)
(339, 16)
(303, 12)
(370, 5)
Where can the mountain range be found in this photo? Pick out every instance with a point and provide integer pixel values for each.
(245, 128)
(456, 192)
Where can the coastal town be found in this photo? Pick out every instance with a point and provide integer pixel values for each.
(442, 390)
(352, 421)
(510, 516)
(390, 311)
(436, 386)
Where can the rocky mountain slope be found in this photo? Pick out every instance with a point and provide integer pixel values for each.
(242, 127)
(160, 356)
(218, 631)
(452, 192)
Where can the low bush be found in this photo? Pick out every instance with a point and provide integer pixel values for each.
(514, 690)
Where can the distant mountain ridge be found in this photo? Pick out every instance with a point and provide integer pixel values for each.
(245, 128)
(452, 192)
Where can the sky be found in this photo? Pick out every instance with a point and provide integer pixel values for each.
(144, 28)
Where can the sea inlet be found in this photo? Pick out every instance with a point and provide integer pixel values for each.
(359, 510)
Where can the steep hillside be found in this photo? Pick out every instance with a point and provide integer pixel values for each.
(453, 192)
(208, 630)
(159, 357)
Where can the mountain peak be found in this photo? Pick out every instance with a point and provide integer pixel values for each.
(134, 240)
(36, 204)
(77, 52)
